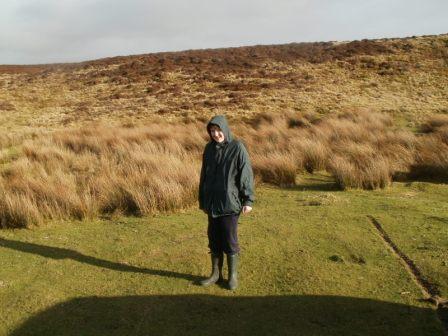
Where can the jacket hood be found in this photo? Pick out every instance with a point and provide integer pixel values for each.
(221, 122)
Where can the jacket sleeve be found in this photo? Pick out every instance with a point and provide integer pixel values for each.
(246, 177)
(201, 182)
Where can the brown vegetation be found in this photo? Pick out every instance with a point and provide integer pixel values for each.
(403, 77)
(431, 159)
(361, 150)
(344, 108)
(137, 170)
(99, 170)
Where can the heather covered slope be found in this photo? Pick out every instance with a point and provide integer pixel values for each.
(407, 78)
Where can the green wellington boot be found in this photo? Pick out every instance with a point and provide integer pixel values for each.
(232, 264)
(217, 262)
(220, 264)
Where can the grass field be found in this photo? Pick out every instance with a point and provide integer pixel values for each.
(312, 263)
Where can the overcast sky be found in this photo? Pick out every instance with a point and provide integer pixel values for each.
(47, 31)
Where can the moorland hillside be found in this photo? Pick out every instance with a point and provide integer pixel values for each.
(406, 78)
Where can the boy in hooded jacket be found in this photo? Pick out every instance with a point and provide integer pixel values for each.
(225, 191)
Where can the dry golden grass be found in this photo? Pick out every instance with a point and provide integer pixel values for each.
(311, 153)
(360, 149)
(97, 171)
(431, 158)
(371, 173)
(435, 123)
(276, 168)
(138, 170)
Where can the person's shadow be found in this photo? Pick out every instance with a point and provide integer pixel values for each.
(63, 253)
(304, 315)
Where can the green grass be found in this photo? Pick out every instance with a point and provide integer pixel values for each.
(416, 218)
(311, 264)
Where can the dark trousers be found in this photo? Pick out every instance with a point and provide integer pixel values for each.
(223, 235)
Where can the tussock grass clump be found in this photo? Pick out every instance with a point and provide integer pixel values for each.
(431, 155)
(95, 171)
(431, 159)
(364, 172)
(361, 149)
(435, 123)
(276, 168)
(268, 139)
(311, 153)
(366, 150)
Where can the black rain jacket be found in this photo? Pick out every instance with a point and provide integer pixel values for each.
(226, 183)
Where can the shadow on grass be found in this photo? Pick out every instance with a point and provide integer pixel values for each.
(316, 182)
(429, 174)
(212, 315)
(62, 253)
(321, 186)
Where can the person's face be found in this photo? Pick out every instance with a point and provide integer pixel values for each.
(216, 133)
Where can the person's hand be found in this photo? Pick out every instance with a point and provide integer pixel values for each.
(246, 209)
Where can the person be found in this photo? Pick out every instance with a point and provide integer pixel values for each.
(225, 191)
